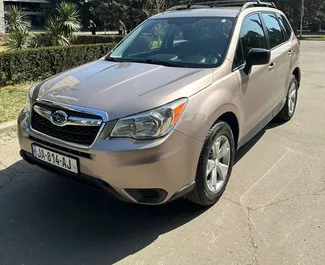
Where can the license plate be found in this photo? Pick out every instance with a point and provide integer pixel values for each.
(55, 159)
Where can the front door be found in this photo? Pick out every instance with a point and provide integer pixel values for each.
(256, 95)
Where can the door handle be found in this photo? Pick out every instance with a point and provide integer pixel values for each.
(289, 52)
(272, 67)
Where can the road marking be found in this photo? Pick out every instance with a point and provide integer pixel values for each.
(265, 174)
(277, 180)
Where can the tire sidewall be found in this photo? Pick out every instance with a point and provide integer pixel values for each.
(221, 128)
(293, 80)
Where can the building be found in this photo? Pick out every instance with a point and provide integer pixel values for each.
(35, 10)
(2, 21)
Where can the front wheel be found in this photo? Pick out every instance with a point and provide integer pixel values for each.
(289, 108)
(215, 165)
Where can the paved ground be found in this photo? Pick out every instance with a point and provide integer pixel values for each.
(273, 211)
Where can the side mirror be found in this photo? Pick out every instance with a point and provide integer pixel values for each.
(256, 56)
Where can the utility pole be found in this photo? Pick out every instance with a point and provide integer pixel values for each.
(2, 19)
(302, 16)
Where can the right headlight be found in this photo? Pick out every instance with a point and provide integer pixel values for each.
(151, 124)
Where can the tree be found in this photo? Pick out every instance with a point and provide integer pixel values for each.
(158, 5)
(61, 27)
(55, 32)
(320, 17)
(131, 12)
(108, 12)
(293, 11)
(68, 16)
(314, 14)
(18, 27)
(19, 39)
(15, 20)
(136, 12)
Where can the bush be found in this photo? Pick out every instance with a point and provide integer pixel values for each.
(95, 39)
(40, 40)
(19, 39)
(41, 63)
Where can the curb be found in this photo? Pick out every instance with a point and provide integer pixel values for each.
(6, 126)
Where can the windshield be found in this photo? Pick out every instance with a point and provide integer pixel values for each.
(180, 42)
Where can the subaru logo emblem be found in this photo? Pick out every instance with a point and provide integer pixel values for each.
(59, 118)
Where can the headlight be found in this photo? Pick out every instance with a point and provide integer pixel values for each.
(151, 124)
(30, 96)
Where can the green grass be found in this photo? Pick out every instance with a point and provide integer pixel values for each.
(323, 38)
(312, 37)
(12, 101)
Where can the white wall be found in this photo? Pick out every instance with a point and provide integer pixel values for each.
(2, 21)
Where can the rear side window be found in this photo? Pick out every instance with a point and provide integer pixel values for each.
(251, 35)
(274, 29)
(284, 22)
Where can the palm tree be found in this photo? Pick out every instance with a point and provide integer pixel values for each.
(68, 15)
(55, 32)
(61, 28)
(16, 20)
(19, 39)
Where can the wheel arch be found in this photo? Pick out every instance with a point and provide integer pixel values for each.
(297, 74)
(231, 119)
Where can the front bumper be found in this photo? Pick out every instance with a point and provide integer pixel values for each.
(146, 172)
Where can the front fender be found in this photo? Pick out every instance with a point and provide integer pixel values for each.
(204, 108)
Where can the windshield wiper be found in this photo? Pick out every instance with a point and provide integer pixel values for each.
(112, 59)
(147, 60)
(164, 63)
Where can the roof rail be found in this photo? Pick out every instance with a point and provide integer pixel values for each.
(222, 3)
(257, 3)
(189, 6)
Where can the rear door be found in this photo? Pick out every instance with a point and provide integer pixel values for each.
(256, 88)
(291, 42)
(280, 57)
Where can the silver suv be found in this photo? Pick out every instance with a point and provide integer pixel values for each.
(162, 115)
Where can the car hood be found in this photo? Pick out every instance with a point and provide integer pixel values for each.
(123, 89)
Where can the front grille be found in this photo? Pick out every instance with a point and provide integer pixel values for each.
(83, 135)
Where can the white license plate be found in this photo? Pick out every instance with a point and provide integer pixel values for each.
(55, 159)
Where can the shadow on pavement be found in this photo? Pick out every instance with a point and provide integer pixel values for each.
(241, 152)
(248, 146)
(46, 219)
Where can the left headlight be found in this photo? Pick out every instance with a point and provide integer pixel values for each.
(29, 98)
(151, 124)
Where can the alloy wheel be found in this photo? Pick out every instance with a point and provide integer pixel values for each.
(218, 164)
(292, 98)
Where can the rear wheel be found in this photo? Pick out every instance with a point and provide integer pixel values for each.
(215, 165)
(289, 108)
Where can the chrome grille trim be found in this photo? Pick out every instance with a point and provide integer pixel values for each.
(84, 110)
(43, 112)
(75, 121)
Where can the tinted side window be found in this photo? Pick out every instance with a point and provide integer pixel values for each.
(284, 33)
(285, 24)
(252, 34)
(274, 29)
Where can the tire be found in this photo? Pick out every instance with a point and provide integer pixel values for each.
(204, 192)
(286, 114)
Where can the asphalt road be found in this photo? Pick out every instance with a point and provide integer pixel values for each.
(273, 211)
